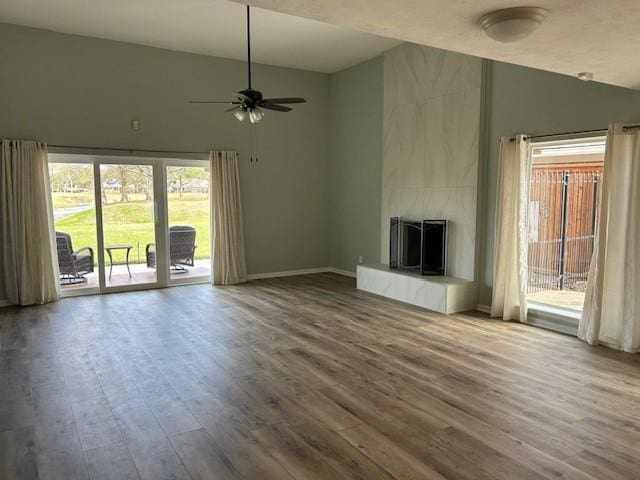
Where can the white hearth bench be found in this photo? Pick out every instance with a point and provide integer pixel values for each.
(441, 294)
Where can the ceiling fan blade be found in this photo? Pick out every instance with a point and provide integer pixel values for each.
(207, 101)
(285, 100)
(233, 109)
(273, 106)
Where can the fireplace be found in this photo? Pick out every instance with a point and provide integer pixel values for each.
(418, 246)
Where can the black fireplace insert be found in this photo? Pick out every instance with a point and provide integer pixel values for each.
(418, 246)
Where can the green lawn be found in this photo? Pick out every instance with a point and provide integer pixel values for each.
(132, 222)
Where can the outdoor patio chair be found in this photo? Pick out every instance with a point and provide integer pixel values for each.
(73, 265)
(182, 247)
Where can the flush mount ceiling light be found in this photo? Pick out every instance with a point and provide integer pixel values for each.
(512, 24)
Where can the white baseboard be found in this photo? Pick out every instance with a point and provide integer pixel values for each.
(340, 271)
(286, 273)
(483, 308)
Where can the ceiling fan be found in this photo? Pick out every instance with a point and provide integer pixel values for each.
(249, 102)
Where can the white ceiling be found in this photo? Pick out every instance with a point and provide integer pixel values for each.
(210, 27)
(599, 36)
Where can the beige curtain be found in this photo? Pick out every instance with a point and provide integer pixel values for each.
(29, 260)
(510, 267)
(227, 256)
(611, 313)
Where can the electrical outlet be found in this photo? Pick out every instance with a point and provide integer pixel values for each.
(360, 259)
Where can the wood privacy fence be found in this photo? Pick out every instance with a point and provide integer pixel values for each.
(563, 217)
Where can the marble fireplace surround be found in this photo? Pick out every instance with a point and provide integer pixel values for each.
(431, 127)
(438, 293)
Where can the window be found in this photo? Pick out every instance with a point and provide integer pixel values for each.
(564, 204)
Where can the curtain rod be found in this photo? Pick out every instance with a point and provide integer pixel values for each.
(600, 130)
(566, 134)
(131, 150)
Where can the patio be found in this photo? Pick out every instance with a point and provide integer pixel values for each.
(140, 274)
(569, 299)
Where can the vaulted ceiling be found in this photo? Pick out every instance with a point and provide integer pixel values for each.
(329, 35)
(598, 36)
(210, 27)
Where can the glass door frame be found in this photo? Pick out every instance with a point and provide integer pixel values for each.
(89, 161)
(159, 164)
(547, 315)
(182, 162)
(159, 218)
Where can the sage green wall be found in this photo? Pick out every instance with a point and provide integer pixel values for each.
(355, 164)
(314, 197)
(72, 90)
(525, 100)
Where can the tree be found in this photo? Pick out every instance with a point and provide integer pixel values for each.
(138, 178)
(181, 176)
(70, 177)
(117, 175)
(143, 176)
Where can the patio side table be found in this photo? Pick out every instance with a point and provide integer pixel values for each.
(110, 249)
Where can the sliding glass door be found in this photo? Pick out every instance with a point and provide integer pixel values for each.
(74, 211)
(564, 206)
(145, 225)
(128, 224)
(189, 221)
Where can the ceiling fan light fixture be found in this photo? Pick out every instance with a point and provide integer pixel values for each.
(255, 115)
(512, 24)
(240, 115)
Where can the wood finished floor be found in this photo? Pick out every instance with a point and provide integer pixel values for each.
(304, 378)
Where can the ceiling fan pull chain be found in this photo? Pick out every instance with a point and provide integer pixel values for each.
(256, 139)
(251, 147)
